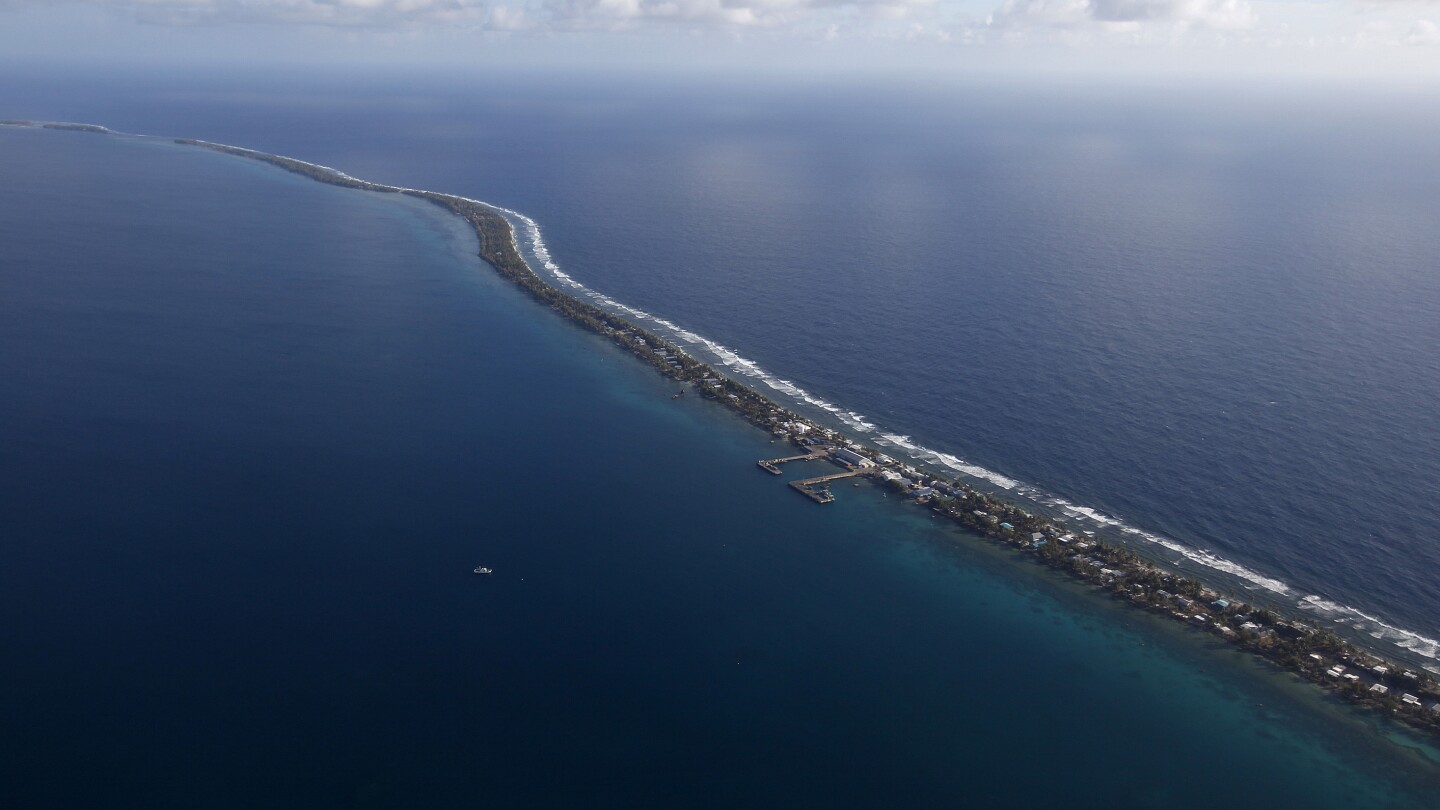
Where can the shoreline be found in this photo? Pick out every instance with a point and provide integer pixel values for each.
(1312, 654)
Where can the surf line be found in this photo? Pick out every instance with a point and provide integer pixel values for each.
(1312, 653)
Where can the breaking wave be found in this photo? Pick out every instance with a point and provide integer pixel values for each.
(1084, 517)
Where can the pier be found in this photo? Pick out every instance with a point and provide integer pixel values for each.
(772, 465)
(821, 493)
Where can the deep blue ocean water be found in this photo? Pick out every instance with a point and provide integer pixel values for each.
(1208, 311)
(258, 430)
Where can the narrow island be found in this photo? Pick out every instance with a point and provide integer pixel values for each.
(1410, 695)
(1319, 656)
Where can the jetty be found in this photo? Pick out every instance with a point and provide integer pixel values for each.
(815, 489)
(772, 465)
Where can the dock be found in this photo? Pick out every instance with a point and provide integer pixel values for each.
(821, 494)
(772, 465)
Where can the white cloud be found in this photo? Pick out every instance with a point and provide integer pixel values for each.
(1123, 16)
(1385, 34)
(1424, 32)
(632, 14)
(338, 13)
(515, 15)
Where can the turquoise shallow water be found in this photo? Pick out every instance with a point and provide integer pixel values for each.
(259, 430)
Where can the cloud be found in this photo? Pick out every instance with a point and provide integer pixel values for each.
(1122, 16)
(632, 14)
(337, 13)
(1382, 34)
(516, 15)
(1424, 32)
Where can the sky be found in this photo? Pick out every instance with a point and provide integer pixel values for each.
(1397, 40)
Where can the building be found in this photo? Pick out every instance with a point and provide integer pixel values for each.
(851, 458)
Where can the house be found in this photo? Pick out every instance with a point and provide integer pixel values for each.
(1379, 689)
(922, 493)
(1006, 526)
(1410, 699)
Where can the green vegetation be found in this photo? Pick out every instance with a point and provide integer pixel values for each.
(309, 170)
(1319, 656)
(76, 128)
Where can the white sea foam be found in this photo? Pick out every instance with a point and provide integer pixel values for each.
(1409, 640)
(1374, 626)
(735, 362)
(724, 355)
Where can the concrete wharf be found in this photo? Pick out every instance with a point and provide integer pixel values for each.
(808, 488)
(771, 465)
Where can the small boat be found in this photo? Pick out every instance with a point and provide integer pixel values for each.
(480, 569)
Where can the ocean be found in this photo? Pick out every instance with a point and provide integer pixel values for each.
(260, 429)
